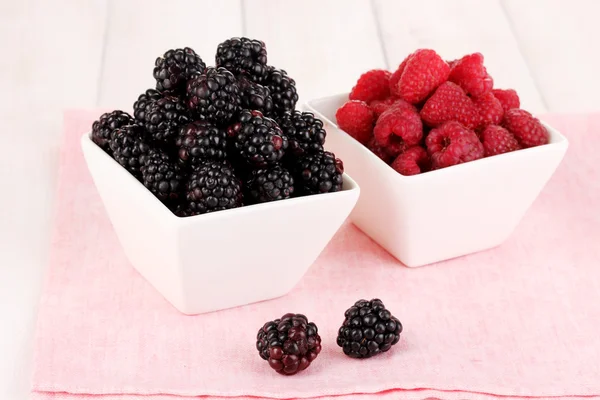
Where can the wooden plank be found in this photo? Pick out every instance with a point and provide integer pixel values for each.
(559, 41)
(323, 45)
(141, 30)
(454, 29)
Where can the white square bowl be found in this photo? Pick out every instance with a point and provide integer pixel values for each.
(222, 259)
(446, 213)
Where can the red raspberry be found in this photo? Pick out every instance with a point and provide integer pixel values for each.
(412, 162)
(423, 72)
(490, 109)
(470, 74)
(379, 151)
(398, 128)
(397, 75)
(357, 119)
(372, 85)
(527, 129)
(497, 140)
(379, 106)
(452, 144)
(450, 103)
(508, 98)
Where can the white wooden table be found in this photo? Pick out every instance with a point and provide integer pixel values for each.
(100, 53)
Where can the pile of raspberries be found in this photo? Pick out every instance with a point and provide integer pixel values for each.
(431, 114)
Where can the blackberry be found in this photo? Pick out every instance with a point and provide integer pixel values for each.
(269, 184)
(305, 132)
(175, 68)
(318, 172)
(103, 128)
(212, 186)
(162, 177)
(164, 117)
(243, 56)
(214, 95)
(256, 139)
(283, 90)
(129, 147)
(289, 344)
(368, 329)
(199, 141)
(255, 96)
(144, 99)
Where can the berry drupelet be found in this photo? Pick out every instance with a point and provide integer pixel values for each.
(199, 141)
(269, 184)
(289, 344)
(214, 96)
(175, 68)
(144, 99)
(256, 139)
(305, 132)
(162, 177)
(318, 172)
(103, 128)
(129, 147)
(212, 186)
(243, 56)
(164, 117)
(255, 96)
(283, 90)
(368, 329)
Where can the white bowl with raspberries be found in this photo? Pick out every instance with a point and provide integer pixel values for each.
(447, 164)
(218, 189)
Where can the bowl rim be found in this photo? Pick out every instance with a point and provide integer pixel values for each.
(557, 139)
(350, 187)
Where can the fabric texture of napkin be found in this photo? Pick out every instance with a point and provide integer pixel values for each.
(518, 321)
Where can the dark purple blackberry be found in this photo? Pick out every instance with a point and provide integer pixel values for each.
(256, 139)
(175, 68)
(305, 132)
(129, 147)
(162, 177)
(243, 56)
(212, 186)
(199, 141)
(269, 184)
(289, 344)
(164, 117)
(144, 99)
(214, 96)
(103, 128)
(318, 172)
(283, 90)
(368, 329)
(255, 96)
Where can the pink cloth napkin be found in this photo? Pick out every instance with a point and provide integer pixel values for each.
(518, 321)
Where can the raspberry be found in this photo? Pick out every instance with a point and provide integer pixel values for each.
(289, 343)
(412, 162)
(508, 98)
(470, 74)
(450, 103)
(423, 73)
(379, 151)
(372, 85)
(527, 129)
(357, 119)
(497, 140)
(397, 75)
(490, 109)
(398, 128)
(379, 106)
(452, 144)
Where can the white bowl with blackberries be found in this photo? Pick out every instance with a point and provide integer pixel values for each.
(215, 169)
